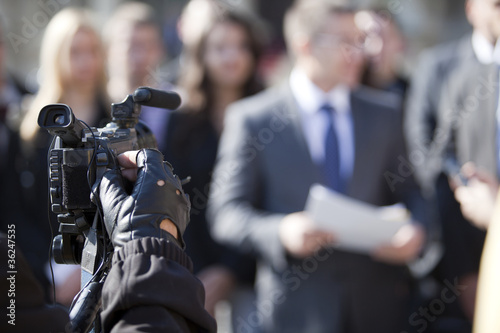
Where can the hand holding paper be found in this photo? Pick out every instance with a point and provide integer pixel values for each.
(404, 247)
(384, 232)
(300, 236)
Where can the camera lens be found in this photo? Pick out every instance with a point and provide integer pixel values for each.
(59, 119)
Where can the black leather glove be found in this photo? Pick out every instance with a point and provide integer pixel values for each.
(157, 195)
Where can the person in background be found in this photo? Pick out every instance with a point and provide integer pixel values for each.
(72, 72)
(195, 17)
(319, 126)
(135, 55)
(219, 69)
(11, 94)
(386, 46)
(441, 143)
(11, 91)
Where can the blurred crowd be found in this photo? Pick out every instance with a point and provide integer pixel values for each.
(258, 125)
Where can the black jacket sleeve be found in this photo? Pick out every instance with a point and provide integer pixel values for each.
(150, 288)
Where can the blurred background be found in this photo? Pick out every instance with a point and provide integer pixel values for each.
(424, 23)
(213, 57)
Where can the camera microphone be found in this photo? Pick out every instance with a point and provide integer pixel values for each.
(156, 98)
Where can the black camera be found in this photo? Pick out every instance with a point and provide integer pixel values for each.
(78, 157)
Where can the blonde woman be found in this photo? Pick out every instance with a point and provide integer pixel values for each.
(72, 72)
(72, 69)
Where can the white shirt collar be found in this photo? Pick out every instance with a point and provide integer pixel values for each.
(310, 98)
(483, 49)
(496, 53)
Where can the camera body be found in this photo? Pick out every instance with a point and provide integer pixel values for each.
(77, 159)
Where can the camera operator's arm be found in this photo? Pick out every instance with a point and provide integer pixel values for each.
(150, 285)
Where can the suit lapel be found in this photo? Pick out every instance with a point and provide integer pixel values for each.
(293, 135)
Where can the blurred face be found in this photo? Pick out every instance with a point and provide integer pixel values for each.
(385, 44)
(484, 16)
(228, 59)
(392, 42)
(338, 52)
(86, 58)
(144, 51)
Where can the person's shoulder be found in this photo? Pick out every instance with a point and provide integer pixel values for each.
(186, 121)
(448, 53)
(261, 105)
(179, 116)
(262, 100)
(377, 100)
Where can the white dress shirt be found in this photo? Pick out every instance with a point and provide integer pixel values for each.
(310, 99)
(485, 51)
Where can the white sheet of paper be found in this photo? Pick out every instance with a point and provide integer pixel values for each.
(358, 226)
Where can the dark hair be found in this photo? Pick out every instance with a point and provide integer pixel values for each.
(194, 79)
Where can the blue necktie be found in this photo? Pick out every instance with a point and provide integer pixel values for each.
(331, 166)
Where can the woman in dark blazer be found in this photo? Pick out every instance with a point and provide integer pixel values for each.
(220, 69)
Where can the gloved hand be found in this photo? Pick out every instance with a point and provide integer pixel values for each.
(157, 195)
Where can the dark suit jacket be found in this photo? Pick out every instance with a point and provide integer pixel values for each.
(191, 147)
(264, 172)
(430, 85)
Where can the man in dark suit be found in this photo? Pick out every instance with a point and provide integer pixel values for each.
(428, 136)
(316, 128)
(431, 85)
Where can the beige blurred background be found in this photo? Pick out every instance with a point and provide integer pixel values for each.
(424, 23)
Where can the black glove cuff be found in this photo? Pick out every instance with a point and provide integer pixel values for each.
(154, 246)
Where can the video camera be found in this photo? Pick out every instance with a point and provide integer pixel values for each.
(78, 157)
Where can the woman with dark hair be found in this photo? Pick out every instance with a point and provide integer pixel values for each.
(220, 68)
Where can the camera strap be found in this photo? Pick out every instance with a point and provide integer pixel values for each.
(90, 248)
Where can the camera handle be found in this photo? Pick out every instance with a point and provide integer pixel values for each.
(93, 249)
(85, 311)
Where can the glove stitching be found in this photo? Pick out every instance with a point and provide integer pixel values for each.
(143, 172)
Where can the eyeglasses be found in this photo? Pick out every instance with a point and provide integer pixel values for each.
(366, 44)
